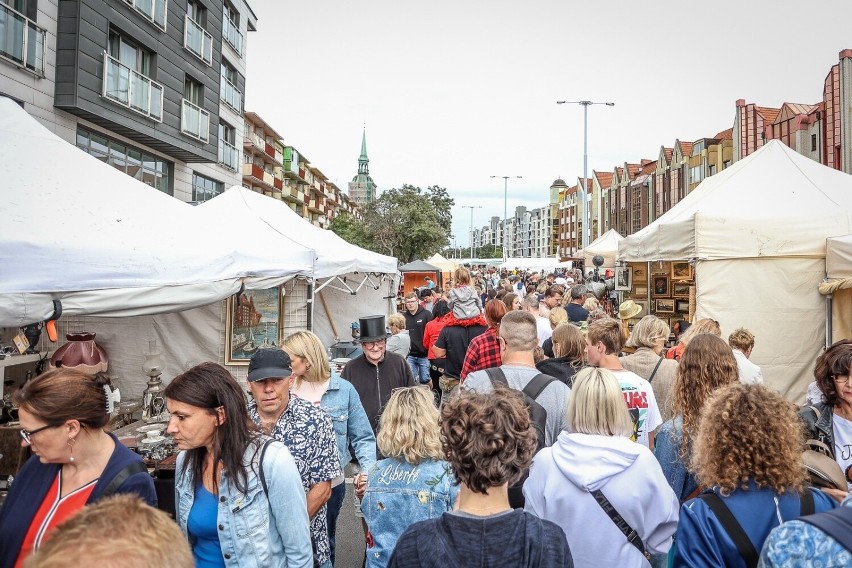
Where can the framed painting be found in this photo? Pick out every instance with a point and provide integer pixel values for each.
(660, 283)
(640, 292)
(680, 289)
(623, 278)
(254, 320)
(681, 271)
(682, 306)
(665, 305)
(640, 272)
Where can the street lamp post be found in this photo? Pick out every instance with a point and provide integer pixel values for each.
(505, 210)
(471, 207)
(587, 216)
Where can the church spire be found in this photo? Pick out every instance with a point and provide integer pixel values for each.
(363, 160)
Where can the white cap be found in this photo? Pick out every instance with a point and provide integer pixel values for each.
(562, 281)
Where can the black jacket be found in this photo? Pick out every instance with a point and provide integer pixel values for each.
(559, 367)
(374, 383)
(822, 427)
(415, 324)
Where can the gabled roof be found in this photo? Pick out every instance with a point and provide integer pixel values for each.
(725, 135)
(769, 114)
(791, 110)
(665, 154)
(685, 148)
(604, 178)
(648, 168)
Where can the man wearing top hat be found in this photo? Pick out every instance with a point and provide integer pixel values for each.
(376, 372)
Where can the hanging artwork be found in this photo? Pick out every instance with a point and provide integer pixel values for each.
(253, 321)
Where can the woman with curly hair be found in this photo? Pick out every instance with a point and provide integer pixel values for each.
(707, 365)
(596, 467)
(489, 441)
(413, 483)
(830, 421)
(748, 449)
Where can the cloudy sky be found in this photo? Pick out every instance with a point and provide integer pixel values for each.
(453, 92)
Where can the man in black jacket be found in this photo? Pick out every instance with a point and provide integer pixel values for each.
(416, 318)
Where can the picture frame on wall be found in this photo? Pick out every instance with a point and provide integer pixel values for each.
(640, 272)
(681, 270)
(682, 306)
(623, 278)
(660, 285)
(640, 292)
(665, 305)
(252, 322)
(680, 289)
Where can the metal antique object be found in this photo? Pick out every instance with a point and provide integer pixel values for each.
(153, 402)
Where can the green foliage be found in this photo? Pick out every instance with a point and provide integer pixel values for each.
(488, 251)
(407, 222)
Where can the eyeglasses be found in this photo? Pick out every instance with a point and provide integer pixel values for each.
(373, 344)
(27, 435)
(840, 379)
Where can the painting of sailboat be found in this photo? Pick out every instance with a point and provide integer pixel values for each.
(253, 322)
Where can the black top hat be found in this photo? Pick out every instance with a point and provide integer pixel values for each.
(373, 328)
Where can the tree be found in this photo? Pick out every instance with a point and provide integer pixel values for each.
(405, 222)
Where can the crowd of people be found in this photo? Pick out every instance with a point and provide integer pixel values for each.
(507, 421)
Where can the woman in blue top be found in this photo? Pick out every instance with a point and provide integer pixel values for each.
(318, 384)
(748, 448)
(238, 496)
(413, 483)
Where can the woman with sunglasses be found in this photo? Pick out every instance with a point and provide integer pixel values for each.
(63, 413)
(414, 482)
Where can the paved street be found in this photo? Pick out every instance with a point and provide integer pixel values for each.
(350, 535)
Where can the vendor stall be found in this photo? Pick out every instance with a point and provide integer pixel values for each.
(837, 288)
(414, 275)
(752, 239)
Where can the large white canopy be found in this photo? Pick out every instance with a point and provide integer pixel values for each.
(528, 263)
(774, 203)
(102, 242)
(271, 225)
(606, 246)
(838, 257)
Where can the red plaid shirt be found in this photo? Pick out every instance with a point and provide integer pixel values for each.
(482, 353)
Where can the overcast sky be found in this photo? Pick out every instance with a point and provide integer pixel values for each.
(453, 92)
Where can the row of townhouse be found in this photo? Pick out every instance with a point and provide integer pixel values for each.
(632, 195)
(153, 88)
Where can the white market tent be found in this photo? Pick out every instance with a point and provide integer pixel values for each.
(838, 285)
(606, 246)
(79, 231)
(757, 235)
(529, 263)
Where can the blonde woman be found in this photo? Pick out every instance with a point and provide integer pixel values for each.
(556, 317)
(598, 456)
(399, 342)
(414, 482)
(749, 451)
(318, 384)
(648, 338)
(569, 350)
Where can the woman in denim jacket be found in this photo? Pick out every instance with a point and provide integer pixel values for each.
(316, 383)
(413, 483)
(239, 498)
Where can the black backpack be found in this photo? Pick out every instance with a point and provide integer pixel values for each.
(538, 420)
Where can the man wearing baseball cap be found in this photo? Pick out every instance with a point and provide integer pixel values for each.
(305, 429)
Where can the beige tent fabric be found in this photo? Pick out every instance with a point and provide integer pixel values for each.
(838, 257)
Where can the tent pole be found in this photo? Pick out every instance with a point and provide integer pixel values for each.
(311, 285)
(828, 322)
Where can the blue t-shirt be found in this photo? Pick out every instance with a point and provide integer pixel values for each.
(201, 526)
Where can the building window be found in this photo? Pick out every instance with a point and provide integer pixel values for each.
(155, 11)
(21, 40)
(196, 40)
(635, 208)
(127, 81)
(228, 155)
(228, 92)
(231, 28)
(813, 142)
(204, 188)
(195, 121)
(147, 168)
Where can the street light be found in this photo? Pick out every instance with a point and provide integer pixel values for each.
(505, 215)
(471, 207)
(587, 217)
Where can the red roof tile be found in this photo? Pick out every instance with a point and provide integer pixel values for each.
(604, 178)
(725, 135)
(649, 168)
(769, 113)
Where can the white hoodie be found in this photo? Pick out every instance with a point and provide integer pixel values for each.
(559, 485)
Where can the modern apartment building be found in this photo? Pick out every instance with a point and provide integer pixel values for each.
(151, 87)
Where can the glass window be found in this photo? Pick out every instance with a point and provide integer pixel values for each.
(204, 188)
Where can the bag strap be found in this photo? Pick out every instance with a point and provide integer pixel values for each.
(836, 523)
(260, 466)
(496, 375)
(806, 506)
(125, 472)
(732, 527)
(654, 372)
(618, 520)
(537, 384)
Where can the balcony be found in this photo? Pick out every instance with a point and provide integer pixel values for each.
(228, 155)
(132, 89)
(231, 34)
(155, 11)
(194, 121)
(21, 41)
(197, 41)
(229, 94)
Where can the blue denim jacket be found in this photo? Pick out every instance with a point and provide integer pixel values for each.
(247, 535)
(400, 494)
(666, 449)
(351, 425)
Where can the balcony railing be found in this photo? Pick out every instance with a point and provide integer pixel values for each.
(197, 41)
(21, 41)
(228, 155)
(231, 34)
(230, 95)
(155, 11)
(132, 89)
(194, 121)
